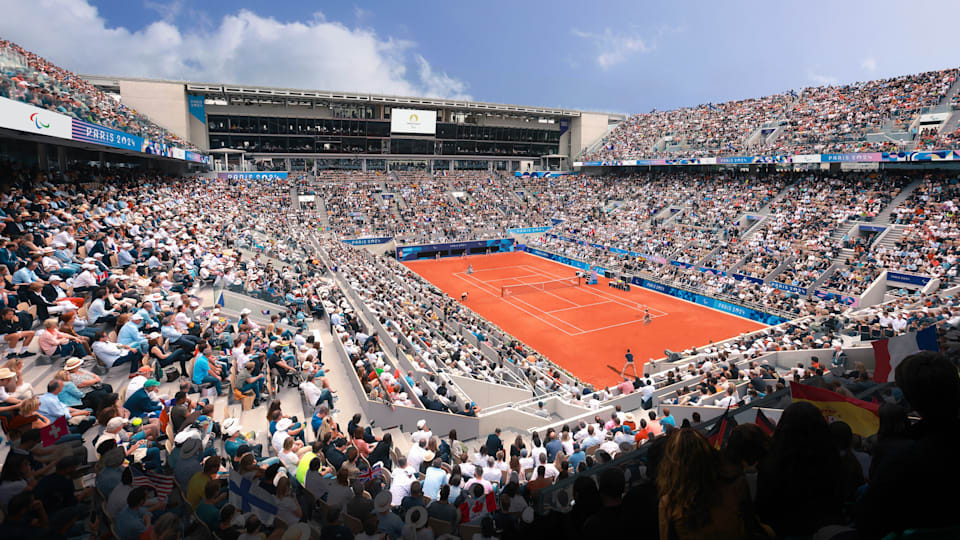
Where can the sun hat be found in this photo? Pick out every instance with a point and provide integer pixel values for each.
(190, 448)
(72, 363)
(284, 424)
(417, 517)
(382, 502)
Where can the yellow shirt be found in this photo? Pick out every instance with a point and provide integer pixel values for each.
(303, 467)
(195, 488)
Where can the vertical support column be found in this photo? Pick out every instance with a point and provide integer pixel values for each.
(42, 161)
(286, 163)
(363, 165)
(62, 158)
(100, 155)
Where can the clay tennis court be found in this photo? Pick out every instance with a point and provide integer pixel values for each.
(584, 328)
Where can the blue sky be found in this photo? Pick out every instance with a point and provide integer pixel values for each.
(617, 56)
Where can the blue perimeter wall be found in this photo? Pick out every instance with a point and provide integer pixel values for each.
(699, 299)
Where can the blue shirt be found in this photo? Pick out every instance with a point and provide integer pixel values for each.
(170, 333)
(147, 318)
(433, 481)
(129, 335)
(553, 448)
(108, 479)
(139, 403)
(200, 369)
(24, 275)
(576, 458)
(70, 395)
(52, 407)
(124, 258)
(129, 524)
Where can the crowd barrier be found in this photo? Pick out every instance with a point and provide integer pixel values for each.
(454, 249)
(856, 157)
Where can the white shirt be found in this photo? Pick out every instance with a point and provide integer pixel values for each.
(415, 456)
(311, 391)
(135, 384)
(537, 452)
(727, 401)
(278, 439)
(492, 475)
(400, 482)
(85, 279)
(419, 434)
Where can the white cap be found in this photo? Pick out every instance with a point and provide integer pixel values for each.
(421, 423)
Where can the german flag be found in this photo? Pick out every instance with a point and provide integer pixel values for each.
(767, 425)
(721, 430)
(862, 417)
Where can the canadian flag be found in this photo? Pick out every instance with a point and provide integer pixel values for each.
(475, 509)
(52, 433)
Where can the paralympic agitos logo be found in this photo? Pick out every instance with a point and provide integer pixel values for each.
(35, 118)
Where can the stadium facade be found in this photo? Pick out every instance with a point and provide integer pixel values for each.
(291, 129)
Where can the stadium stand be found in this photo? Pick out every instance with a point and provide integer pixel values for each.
(200, 359)
(818, 119)
(32, 79)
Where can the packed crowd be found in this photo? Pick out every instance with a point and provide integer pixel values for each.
(818, 119)
(31, 79)
(112, 274)
(702, 220)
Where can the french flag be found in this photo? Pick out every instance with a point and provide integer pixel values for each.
(888, 353)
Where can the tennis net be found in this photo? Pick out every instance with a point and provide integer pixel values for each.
(524, 288)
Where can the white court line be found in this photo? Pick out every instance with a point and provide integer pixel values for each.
(483, 286)
(501, 279)
(475, 270)
(561, 298)
(520, 308)
(579, 306)
(598, 293)
(762, 325)
(549, 315)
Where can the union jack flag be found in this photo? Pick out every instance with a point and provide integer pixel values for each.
(371, 473)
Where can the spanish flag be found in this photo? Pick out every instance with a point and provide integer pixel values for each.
(862, 417)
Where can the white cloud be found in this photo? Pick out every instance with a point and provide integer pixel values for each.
(612, 48)
(242, 48)
(440, 84)
(869, 63)
(360, 14)
(821, 79)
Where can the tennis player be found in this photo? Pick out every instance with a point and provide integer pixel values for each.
(629, 363)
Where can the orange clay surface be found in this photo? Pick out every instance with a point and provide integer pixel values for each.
(584, 329)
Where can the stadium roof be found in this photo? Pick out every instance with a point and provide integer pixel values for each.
(268, 93)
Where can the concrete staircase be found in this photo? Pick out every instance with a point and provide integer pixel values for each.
(295, 198)
(890, 238)
(783, 193)
(884, 217)
(323, 216)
